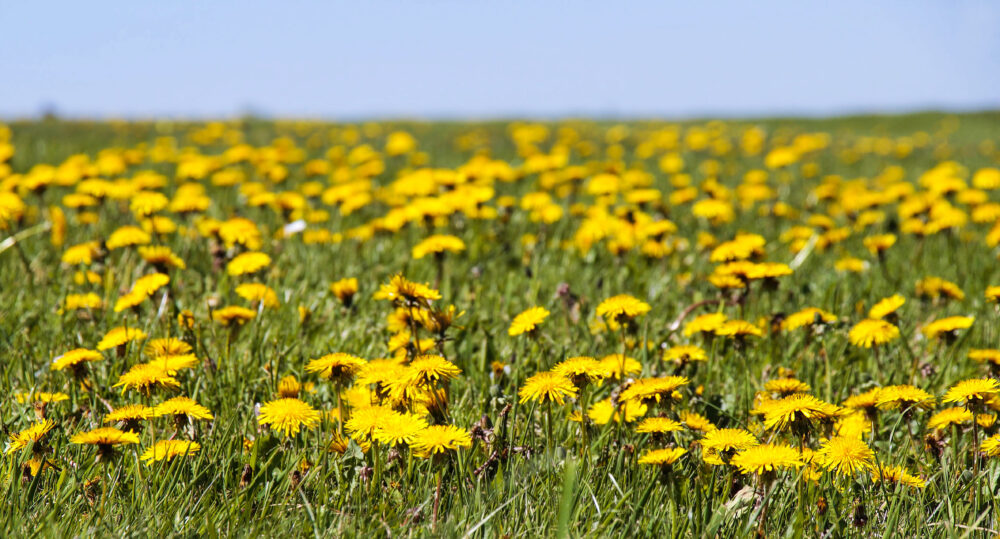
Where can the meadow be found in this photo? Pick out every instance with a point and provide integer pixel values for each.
(782, 327)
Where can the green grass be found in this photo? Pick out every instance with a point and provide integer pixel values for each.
(533, 484)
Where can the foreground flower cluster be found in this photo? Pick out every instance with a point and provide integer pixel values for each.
(720, 311)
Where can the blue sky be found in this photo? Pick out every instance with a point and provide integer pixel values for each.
(488, 59)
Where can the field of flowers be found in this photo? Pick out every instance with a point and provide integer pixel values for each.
(776, 328)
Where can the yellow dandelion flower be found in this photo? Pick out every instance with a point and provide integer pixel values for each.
(168, 449)
(695, 421)
(437, 244)
(144, 377)
(886, 306)
(401, 290)
(581, 369)
(618, 365)
(662, 457)
(120, 336)
(547, 387)
(767, 458)
(991, 446)
(975, 390)
(431, 369)
(648, 390)
(684, 354)
(233, 314)
(949, 416)
(127, 236)
(622, 307)
(165, 347)
(658, 425)
(288, 416)
(248, 263)
(527, 321)
(905, 396)
(872, 332)
(845, 455)
(258, 293)
(807, 317)
(945, 326)
(344, 290)
(161, 257)
(129, 413)
(897, 474)
(989, 355)
(105, 438)
(74, 358)
(706, 323)
(399, 428)
(30, 435)
(182, 406)
(438, 439)
(338, 367)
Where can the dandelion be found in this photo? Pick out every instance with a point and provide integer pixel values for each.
(662, 457)
(431, 369)
(145, 377)
(127, 236)
(248, 263)
(947, 327)
(28, 436)
(898, 475)
(880, 243)
(344, 290)
(620, 366)
(684, 354)
(105, 438)
(233, 315)
(991, 446)
(786, 386)
(650, 390)
(622, 308)
(129, 415)
(695, 421)
(807, 317)
(581, 370)
(399, 428)
(438, 244)
(161, 257)
(527, 321)
(365, 421)
(845, 456)
(873, 332)
(166, 347)
(120, 336)
(796, 411)
(706, 324)
(172, 364)
(288, 416)
(258, 293)
(972, 391)
(168, 449)
(949, 416)
(182, 406)
(886, 307)
(726, 442)
(405, 292)
(338, 367)
(76, 360)
(658, 425)
(892, 397)
(547, 387)
(439, 439)
(767, 458)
